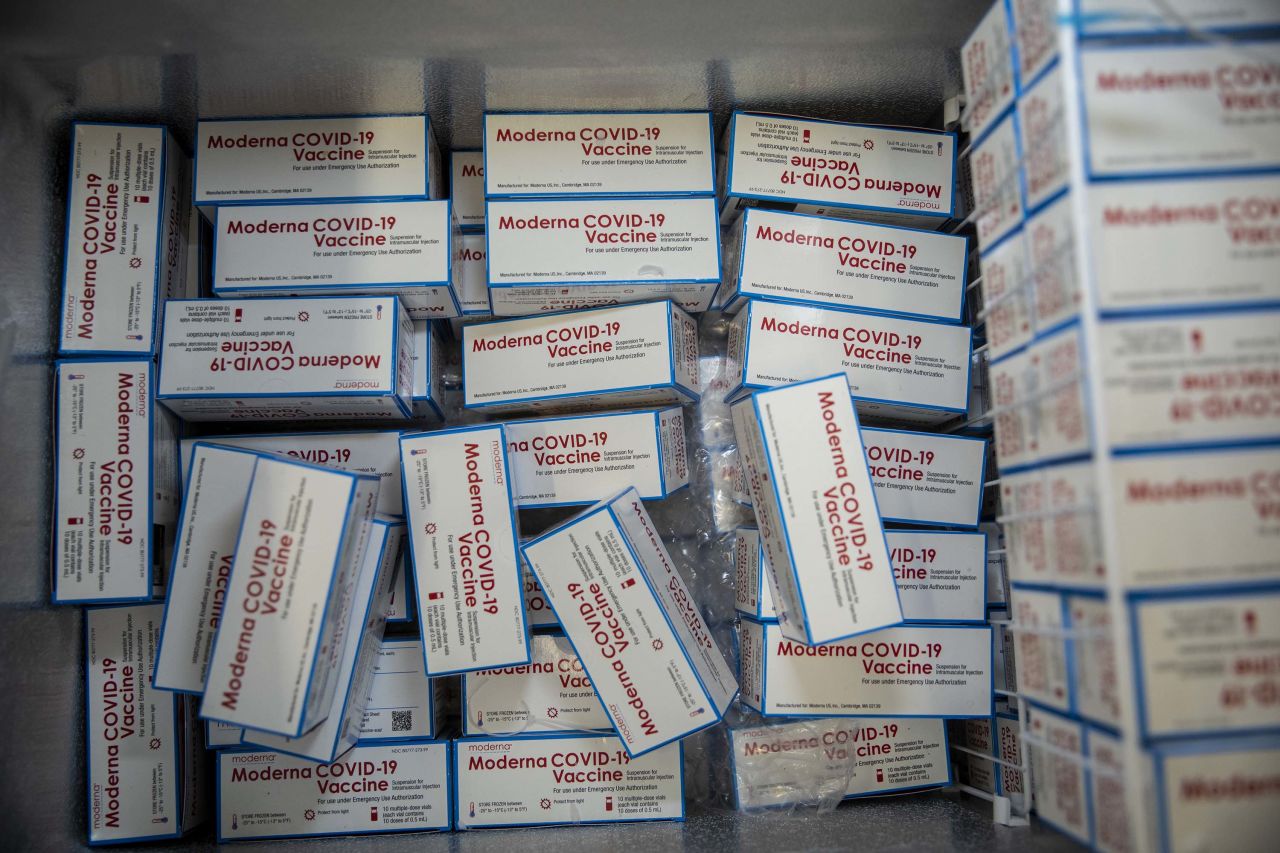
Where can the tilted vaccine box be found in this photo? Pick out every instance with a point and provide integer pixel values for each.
(638, 632)
(127, 232)
(406, 248)
(298, 555)
(116, 487)
(816, 511)
(345, 357)
(323, 159)
(628, 355)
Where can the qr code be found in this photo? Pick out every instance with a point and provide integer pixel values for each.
(401, 721)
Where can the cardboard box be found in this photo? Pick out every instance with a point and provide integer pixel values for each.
(137, 791)
(287, 359)
(339, 158)
(1059, 783)
(464, 546)
(637, 631)
(751, 592)
(1008, 746)
(221, 735)
(996, 176)
(907, 371)
(980, 773)
(927, 478)
(1107, 801)
(125, 245)
(428, 367)
(473, 277)
(1007, 295)
(909, 671)
(941, 575)
(300, 548)
(537, 608)
(466, 188)
(1042, 118)
(1002, 649)
(997, 563)
(816, 510)
(1095, 685)
(358, 640)
(544, 780)
(198, 278)
(401, 787)
(986, 61)
(1203, 242)
(1176, 109)
(403, 703)
(837, 263)
(575, 460)
(783, 764)
(374, 452)
(1204, 661)
(551, 693)
(400, 608)
(1142, 17)
(1035, 35)
(213, 501)
(877, 174)
(1050, 522)
(1051, 250)
(1038, 394)
(548, 255)
(629, 355)
(1042, 648)
(115, 483)
(598, 154)
(375, 247)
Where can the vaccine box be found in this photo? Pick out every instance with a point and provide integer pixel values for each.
(1208, 519)
(463, 542)
(1203, 242)
(374, 452)
(997, 564)
(979, 773)
(1007, 295)
(403, 247)
(115, 483)
(628, 355)
(890, 175)
(1204, 661)
(1183, 380)
(1042, 648)
(300, 547)
(552, 692)
(1042, 119)
(544, 780)
(1107, 804)
(1041, 411)
(794, 763)
(549, 255)
(537, 608)
(816, 510)
(198, 279)
(1210, 790)
(995, 175)
(909, 671)
(986, 61)
(358, 642)
(145, 775)
(905, 370)
(941, 574)
(598, 154)
(1051, 529)
(1008, 747)
(1002, 649)
(1143, 17)
(403, 703)
(838, 263)
(1176, 109)
(466, 188)
(1095, 684)
(927, 478)
(221, 735)
(399, 787)
(473, 279)
(339, 158)
(1060, 783)
(639, 634)
(574, 460)
(1035, 35)
(751, 592)
(400, 608)
(128, 210)
(428, 365)
(287, 359)
(213, 500)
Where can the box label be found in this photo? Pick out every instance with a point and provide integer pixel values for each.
(1006, 296)
(1042, 117)
(923, 478)
(1233, 794)
(1041, 647)
(402, 698)
(941, 577)
(466, 188)
(996, 176)
(550, 693)
(1035, 33)
(1039, 399)
(1060, 795)
(987, 62)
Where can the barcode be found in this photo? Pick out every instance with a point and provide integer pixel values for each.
(401, 721)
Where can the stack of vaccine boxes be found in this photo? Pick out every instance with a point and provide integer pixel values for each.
(1159, 163)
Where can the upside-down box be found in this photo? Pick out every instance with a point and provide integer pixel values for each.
(908, 371)
(145, 772)
(816, 510)
(577, 459)
(796, 762)
(408, 248)
(832, 262)
(464, 548)
(908, 671)
(629, 355)
(639, 634)
(115, 483)
(598, 154)
(397, 787)
(548, 255)
(876, 174)
(541, 780)
(340, 158)
(126, 237)
(298, 553)
(287, 359)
